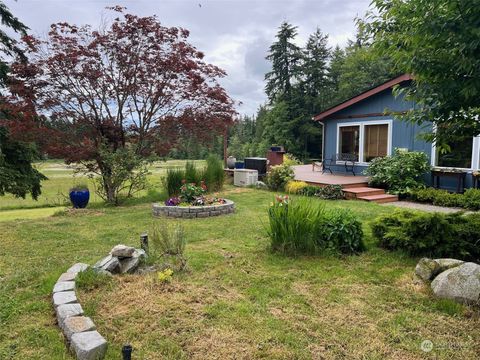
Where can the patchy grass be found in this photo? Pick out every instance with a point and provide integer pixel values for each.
(237, 300)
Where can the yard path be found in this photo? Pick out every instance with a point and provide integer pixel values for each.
(423, 207)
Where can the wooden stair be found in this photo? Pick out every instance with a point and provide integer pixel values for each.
(369, 194)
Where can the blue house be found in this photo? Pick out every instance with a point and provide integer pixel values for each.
(364, 127)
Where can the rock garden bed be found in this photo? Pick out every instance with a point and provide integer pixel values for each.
(189, 212)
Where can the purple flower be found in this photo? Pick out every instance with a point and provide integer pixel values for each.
(173, 201)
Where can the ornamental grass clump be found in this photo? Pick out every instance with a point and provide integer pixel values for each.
(302, 226)
(214, 174)
(173, 181)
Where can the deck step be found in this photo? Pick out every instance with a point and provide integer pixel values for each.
(353, 193)
(384, 198)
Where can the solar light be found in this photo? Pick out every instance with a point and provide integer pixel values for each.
(127, 352)
(144, 242)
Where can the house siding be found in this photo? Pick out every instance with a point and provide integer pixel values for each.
(404, 134)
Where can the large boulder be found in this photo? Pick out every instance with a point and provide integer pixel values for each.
(427, 269)
(461, 283)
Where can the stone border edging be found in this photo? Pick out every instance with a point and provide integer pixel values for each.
(191, 212)
(80, 331)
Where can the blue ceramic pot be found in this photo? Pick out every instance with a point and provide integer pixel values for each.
(79, 198)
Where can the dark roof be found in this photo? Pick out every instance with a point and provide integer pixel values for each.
(363, 96)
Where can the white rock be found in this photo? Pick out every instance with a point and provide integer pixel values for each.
(122, 251)
(78, 267)
(66, 311)
(77, 324)
(109, 263)
(64, 297)
(68, 276)
(64, 286)
(129, 265)
(461, 283)
(89, 345)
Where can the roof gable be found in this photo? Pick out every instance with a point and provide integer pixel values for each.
(387, 85)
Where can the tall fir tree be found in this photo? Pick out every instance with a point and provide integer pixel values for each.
(285, 56)
(314, 70)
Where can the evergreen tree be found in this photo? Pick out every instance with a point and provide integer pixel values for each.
(284, 56)
(314, 70)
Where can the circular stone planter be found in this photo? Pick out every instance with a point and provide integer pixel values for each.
(190, 212)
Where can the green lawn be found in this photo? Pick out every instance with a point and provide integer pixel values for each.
(238, 300)
(62, 177)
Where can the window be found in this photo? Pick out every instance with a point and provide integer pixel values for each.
(366, 140)
(460, 155)
(375, 141)
(349, 139)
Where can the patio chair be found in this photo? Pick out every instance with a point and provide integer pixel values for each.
(348, 160)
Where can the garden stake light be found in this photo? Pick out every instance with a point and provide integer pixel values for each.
(127, 352)
(144, 242)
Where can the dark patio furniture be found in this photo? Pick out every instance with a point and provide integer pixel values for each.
(456, 174)
(347, 160)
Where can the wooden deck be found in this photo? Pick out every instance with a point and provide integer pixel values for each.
(305, 173)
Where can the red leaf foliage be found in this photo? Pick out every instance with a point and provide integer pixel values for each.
(135, 83)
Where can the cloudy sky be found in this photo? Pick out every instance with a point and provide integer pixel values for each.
(233, 34)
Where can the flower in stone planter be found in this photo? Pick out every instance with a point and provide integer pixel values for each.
(173, 201)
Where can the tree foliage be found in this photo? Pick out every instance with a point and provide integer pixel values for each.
(17, 175)
(134, 86)
(438, 41)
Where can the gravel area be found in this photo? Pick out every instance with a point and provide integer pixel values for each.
(423, 207)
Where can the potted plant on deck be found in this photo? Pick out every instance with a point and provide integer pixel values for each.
(79, 196)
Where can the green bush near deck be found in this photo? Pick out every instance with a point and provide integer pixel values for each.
(327, 192)
(278, 177)
(302, 226)
(400, 173)
(430, 234)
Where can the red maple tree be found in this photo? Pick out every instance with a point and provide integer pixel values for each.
(134, 86)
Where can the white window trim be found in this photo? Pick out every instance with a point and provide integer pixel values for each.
(361, 145)
(475, 162)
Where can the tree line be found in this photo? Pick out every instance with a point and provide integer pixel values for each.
(303, 82)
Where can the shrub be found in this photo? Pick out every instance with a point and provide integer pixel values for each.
(168, 245)
(471, 199)
(330, 192)
(295, 187)
(343, 232)
(214, 174)
(290, 160)
(430, 234)
(189, 192)
(310, 190)
(401, 173)
(303, 226)
(278, 177)
(173, 181)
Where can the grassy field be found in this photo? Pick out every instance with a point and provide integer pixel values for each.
(62, 177)
(237, 300)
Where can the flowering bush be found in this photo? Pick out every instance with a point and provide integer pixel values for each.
(193, 195)
(278, 177)
(189, 192)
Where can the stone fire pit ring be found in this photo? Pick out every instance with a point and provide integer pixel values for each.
(191, 212)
